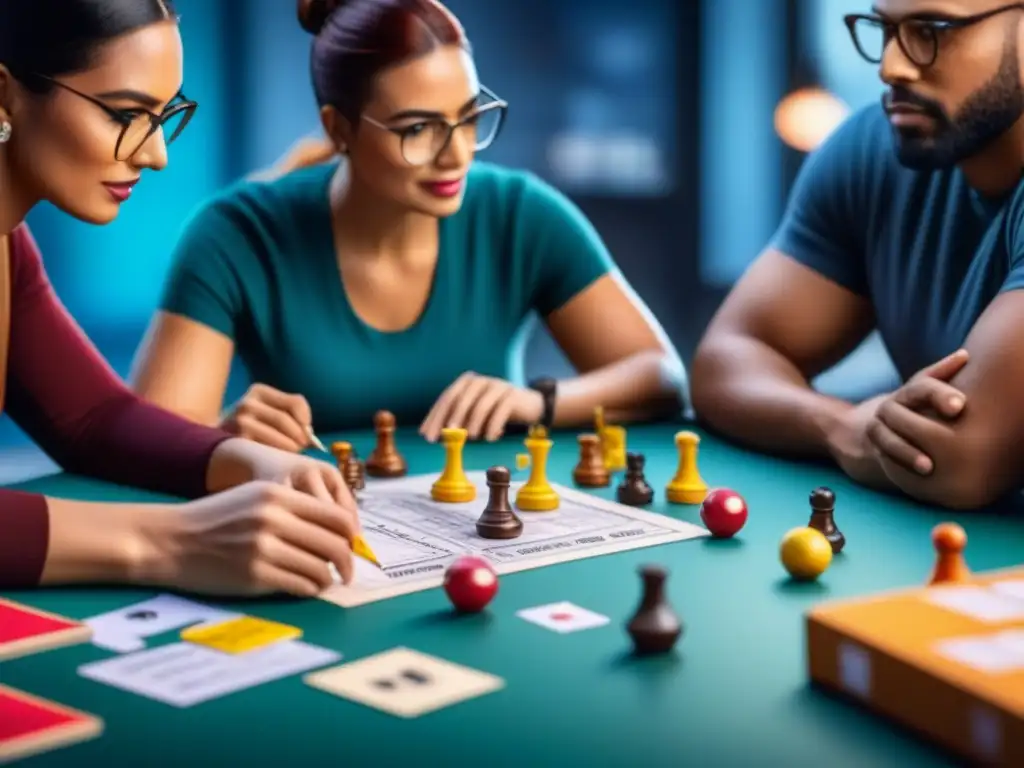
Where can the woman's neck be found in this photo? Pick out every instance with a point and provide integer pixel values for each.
(14, 205)
(372, 228)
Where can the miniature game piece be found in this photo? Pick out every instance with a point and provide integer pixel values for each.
(591, 472)
(823, 504)
(723, 512)
(613, 442)
(498, 520)
(634, 490)
(354, 473)
(385, 460)
(453, 487)
(686, 486)
(655, 627)
(470, 583)
(536, 494)
(949, 540)
(341, 450)
(805, 553)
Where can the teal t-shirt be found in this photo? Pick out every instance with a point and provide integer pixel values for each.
(927, 250)
(258, 264)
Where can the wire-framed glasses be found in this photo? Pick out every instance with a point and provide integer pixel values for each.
(917, 36)
(425, 139)
(137, 124)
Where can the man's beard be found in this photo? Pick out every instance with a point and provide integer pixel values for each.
(986, 115)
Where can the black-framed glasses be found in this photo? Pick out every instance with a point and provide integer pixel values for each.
(917, 36)
(424, 140)
(137, 124)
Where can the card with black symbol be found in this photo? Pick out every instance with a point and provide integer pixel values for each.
(404, 682)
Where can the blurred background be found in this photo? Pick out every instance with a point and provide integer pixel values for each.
(676, 126)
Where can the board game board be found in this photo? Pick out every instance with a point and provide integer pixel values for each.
(416, 538)
(947, 661)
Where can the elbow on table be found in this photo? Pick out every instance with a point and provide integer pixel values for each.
(974, 482)
(706, 383)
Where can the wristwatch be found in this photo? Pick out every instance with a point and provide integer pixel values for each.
(548, 389)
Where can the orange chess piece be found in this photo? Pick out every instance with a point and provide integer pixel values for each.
(385, 461)
(949, 540)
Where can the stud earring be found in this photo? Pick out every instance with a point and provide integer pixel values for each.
(5, 131)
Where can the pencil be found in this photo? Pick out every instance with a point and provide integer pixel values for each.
(317, 443)
(362, 549)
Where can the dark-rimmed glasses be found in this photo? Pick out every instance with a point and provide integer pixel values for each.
(137, 124)
(917, 36)
(424, 140)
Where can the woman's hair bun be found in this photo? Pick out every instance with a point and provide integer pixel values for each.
(313, 14)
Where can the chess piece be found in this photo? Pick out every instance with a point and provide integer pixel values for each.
(655, 627)
(823, 505)
(687, 486)
(341, 450)
(354, 473)
(453, 487)
(949, 540)
(591, 472)
(499, 520)
(634, 490)
(536, 494)
(385, 460)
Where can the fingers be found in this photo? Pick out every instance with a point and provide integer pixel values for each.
(327, 515)
(928, 393)
(898, 450)
(439, 413)
(318, 546)
(252, 428)
(901, 434)
(324, 483)
(499, 417)
(478, 413)
(277, 579)
(947, 367)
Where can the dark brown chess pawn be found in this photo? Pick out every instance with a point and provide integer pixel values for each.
(354, 473)
(591, 472)
(385, 460)
(655, 627)
(823, 506)
(498, 520)
(341, 450)
(634, 490)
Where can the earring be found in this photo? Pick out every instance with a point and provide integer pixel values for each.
(5, 131)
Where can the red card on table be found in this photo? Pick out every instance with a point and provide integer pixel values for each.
(29, 725)
(25, 630)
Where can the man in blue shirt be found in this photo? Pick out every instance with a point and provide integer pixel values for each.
(910, 219)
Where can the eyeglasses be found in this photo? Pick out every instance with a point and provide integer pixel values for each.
(423, 141)
(137, 124)
(917, 37)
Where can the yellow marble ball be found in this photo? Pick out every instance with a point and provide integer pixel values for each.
(805, 553)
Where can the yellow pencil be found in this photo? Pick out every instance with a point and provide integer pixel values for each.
(362, 549)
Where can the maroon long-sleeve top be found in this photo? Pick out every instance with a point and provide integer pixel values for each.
(65, 396)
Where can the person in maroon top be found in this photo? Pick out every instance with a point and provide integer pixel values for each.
(90, 95)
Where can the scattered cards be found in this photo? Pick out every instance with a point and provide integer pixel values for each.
(126, 629)
(563, 617)
(25, 630)
(240, 635)
(404, 682)
(30, 725)
(183, 675)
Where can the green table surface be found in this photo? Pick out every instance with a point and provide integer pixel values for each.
(734, 693)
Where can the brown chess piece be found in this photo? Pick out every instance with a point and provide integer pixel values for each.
(634, 489)
(385, 460)
(341, 450)
(591, 472)
(823, 505)
(354, 473)
(499, 520)
(655, 627)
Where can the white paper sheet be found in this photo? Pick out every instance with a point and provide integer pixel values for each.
(125, 629)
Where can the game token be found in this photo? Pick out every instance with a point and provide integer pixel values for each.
(949, 540)
(499, 520)
(723, 512)
(470, 583)
(823, 505)
(385, 460)
(536, 494)
(634, 491)
(654, 628)
(686, 486)
(805, 553)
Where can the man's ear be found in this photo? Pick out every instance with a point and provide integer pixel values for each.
(337, 127)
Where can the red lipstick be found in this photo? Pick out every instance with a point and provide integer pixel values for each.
(443, 188)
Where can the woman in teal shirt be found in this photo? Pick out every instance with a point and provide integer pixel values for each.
(404, 277)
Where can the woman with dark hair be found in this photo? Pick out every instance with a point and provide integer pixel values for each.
(90, 95)
(403, 276)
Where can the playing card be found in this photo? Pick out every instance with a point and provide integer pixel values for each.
(30, 725)
(240, 635)
(125, 629)
(563, 617)
(404, 682)
(182, 674)
(25, 630)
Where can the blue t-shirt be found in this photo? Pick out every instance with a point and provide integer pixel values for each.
(929, 252)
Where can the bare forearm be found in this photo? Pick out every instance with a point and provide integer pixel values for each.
(753, 394)
(643, 386)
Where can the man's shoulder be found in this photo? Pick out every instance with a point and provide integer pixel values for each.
(861, 146)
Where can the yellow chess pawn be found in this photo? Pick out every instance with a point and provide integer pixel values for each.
(687, 487)
(453, 487)
(613, 448)
(536, 494)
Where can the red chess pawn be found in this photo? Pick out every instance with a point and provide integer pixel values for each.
(724, 513)
(949, 540)
(470, 583)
